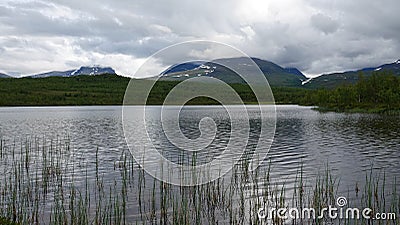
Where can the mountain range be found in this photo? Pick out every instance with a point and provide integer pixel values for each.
(2, 75)
(84, 70)
(350, 77)
(275, 74)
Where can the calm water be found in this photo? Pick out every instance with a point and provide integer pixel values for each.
(350, 143)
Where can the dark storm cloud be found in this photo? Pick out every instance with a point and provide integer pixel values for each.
(315, 36)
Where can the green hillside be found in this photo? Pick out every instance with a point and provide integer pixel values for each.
(351, 77)
(79, 90)
(379, 92)
(375, 92)
(107, 90)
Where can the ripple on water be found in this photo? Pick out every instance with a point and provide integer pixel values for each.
(350, 143)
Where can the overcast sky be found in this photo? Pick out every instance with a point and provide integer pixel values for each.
(316, 36)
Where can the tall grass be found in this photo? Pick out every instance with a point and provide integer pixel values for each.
(44, 182)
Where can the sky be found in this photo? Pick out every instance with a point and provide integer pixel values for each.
(315, 36)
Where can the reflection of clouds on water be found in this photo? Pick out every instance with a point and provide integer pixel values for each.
(189, 119)
(350, 142)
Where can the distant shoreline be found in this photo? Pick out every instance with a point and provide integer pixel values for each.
(379, 93)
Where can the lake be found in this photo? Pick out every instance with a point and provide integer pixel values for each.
(350, 145)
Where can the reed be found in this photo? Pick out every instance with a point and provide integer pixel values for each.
(49, 182)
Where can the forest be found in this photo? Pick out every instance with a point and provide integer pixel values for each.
(379, 92)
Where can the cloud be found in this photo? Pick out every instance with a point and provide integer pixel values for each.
(248, 31)
(315, 36)
(324, 23)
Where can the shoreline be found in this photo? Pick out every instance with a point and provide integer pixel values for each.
(380, 111)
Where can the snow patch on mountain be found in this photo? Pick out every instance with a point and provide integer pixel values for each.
(306, 81)
(84, 70)
(74, 72)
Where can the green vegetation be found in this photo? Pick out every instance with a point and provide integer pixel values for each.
(79, 90)
(4, 221)
(379, 92)
(108, 90)
(376, 94)
(291, 95)
(41, 184)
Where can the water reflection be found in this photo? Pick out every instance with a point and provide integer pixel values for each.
(350, 143)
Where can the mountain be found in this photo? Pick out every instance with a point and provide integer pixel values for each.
(275, 74)
(350, 77)
(2, 75)
(294, 71)
(96, 70)
(183, 67)
(53, 74)
(84, 70)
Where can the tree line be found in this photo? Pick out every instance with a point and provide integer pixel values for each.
(376, 93)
